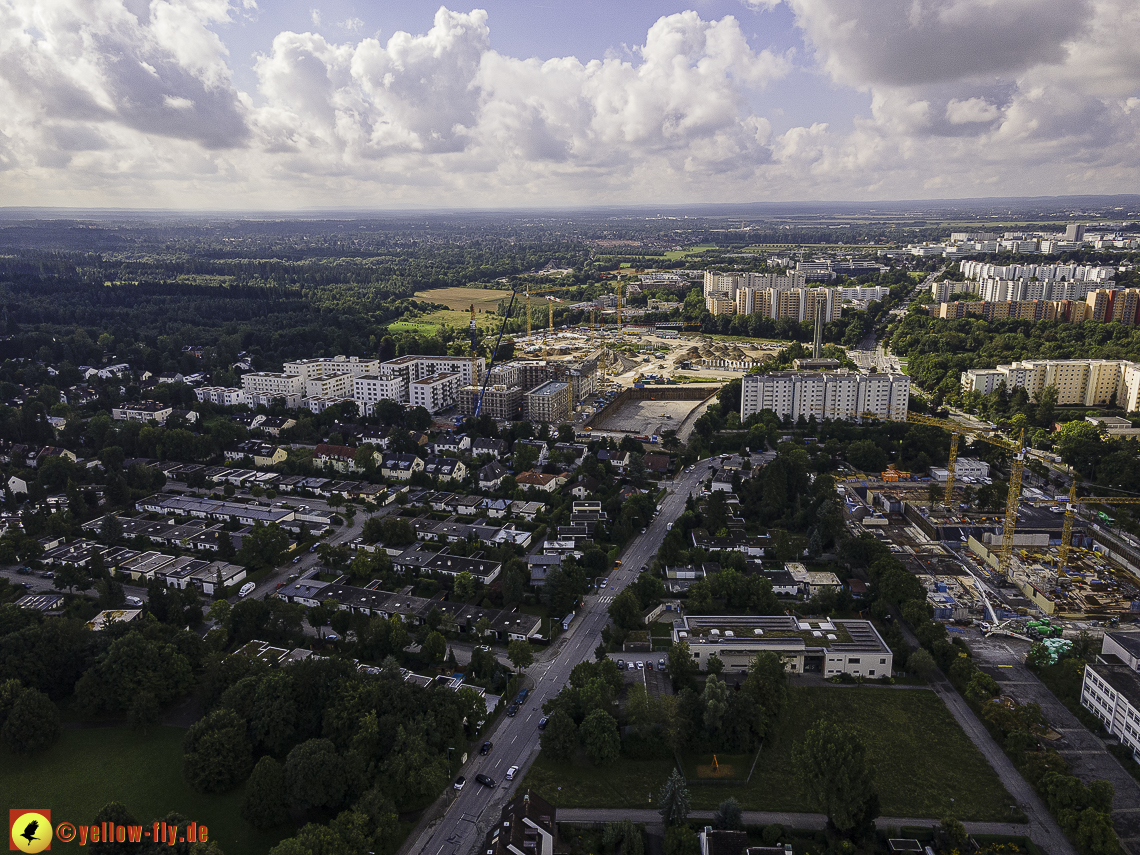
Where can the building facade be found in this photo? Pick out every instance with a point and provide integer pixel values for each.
(840, 395)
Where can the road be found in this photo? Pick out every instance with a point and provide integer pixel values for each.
(516, 740)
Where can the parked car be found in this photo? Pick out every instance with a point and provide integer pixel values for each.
(133, 601)
(332, 636)
(661, 664)
(542, 723)
(459, 782)
(639, 665)
(511, 773)
(23, 571)
(47, 574)
(621, 664)
(521, 699)
(649, 665)
(485, 780)
(485, 749)
(605, 581)
(246, 589)
(512, 710)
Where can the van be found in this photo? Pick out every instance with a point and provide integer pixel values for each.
(246, 589)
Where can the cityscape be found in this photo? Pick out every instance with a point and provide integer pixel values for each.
(700, 429)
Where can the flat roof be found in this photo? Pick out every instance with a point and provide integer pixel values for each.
(1121, 678)
(774, 630)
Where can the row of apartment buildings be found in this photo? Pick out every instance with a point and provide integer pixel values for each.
(843, 395)
(1102, 306)
(1079, 382)
(775, 295)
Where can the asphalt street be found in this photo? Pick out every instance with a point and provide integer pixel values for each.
(516, 740)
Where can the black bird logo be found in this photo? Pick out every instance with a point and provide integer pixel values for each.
(29, 832)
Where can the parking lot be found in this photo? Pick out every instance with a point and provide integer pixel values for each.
(654, 678)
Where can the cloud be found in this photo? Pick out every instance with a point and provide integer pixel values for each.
(315, 17)
(133, 102)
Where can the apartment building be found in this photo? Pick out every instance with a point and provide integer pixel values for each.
(353, 366)
(329, 385)
(841, 395)
(503, 403)
(943, 291)
(416, 367)
(551, 402)
(435, 392)
(221, 395)
(142, 411)
(274, 384)
(1079, 382)
(719, 303)
(799, 304)
(370, 388)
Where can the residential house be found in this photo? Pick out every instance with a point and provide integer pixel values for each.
(451, 442)
(491, 476)
(527, 826)
(657, 463)
(263, 454)
(445, 468)
(401, 466)
(619, 459)
(540, 566)
(584, 487)
(497, 448)
(342, 458)
(539, 481)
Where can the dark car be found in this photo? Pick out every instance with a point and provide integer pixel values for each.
(512, 710)
(486, 748)
(47, 574)
(485, 780)
(521, 699)
(23, 571)
(542, 724)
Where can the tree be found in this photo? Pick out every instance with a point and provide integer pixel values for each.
(318, 618)
(625, 611)
(600, 737)
(729, 816)
(71, 576)
(264, 803)
(435, 646)
(680, 665)
(833, 762)
(464, 587)
(520, 654)
(315, 776)
(110, 528)
(216, 754)
(674, 800)
(866, 455)
(954, 834)
(263, 548)
(144, 712)
(560, 738)
(715, 666)
(921, 664)
(32, 724)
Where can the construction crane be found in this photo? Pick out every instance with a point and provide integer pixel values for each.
(1013, 498)
(473, 331)
(495, 352)
(1070, 513)
(542, 291)
(620, 288)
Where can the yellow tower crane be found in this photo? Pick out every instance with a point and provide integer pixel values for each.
(1070, 513)
(542, 291)
(1017, 448)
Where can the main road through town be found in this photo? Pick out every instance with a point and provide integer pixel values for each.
(515, 740)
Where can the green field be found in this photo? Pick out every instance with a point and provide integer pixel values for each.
(88, 768)
(674, 254)
(920, 757)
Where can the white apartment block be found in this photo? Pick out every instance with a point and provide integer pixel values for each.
(840, 395)
(370, 388)
(272, 383)
(1079, 382)
(413, 368)
(353, 366)
(329, 386)
(1068, 272)
(1008, 290)
(320, 403)
(222, 396)
(863, 292)
(943, 291)
(437, 391)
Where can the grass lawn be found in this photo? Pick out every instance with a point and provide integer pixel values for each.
(460, 299)
(411, 326)
(88, 768)
(921, 759)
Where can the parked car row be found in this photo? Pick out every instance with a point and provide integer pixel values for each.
(638, 665)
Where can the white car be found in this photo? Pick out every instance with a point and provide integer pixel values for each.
(511, 773)
(246, 589)
(134, 601)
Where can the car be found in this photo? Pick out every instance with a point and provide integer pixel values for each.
(617, 562)
(621, 664)
(485, 748)
(332, 636)
(134, 601)
(47, 574)
(511, 773)
(522, 696)
(298, 558)
(660, 664)
(639, 665)
(486, 781)
(649, 665)
(512, 710)
(247, 589)
(542, 723)
(23, 571)
(605, 582)
(459, 782)
(643, 531)
(669, 527)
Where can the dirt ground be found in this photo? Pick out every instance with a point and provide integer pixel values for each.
(649, 417)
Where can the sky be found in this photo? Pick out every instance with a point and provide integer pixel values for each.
(324, 104)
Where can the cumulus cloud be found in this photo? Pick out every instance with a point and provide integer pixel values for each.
(134, 102)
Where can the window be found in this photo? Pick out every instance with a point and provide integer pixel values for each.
(882, 661)
(871, 673)
(853, 661)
